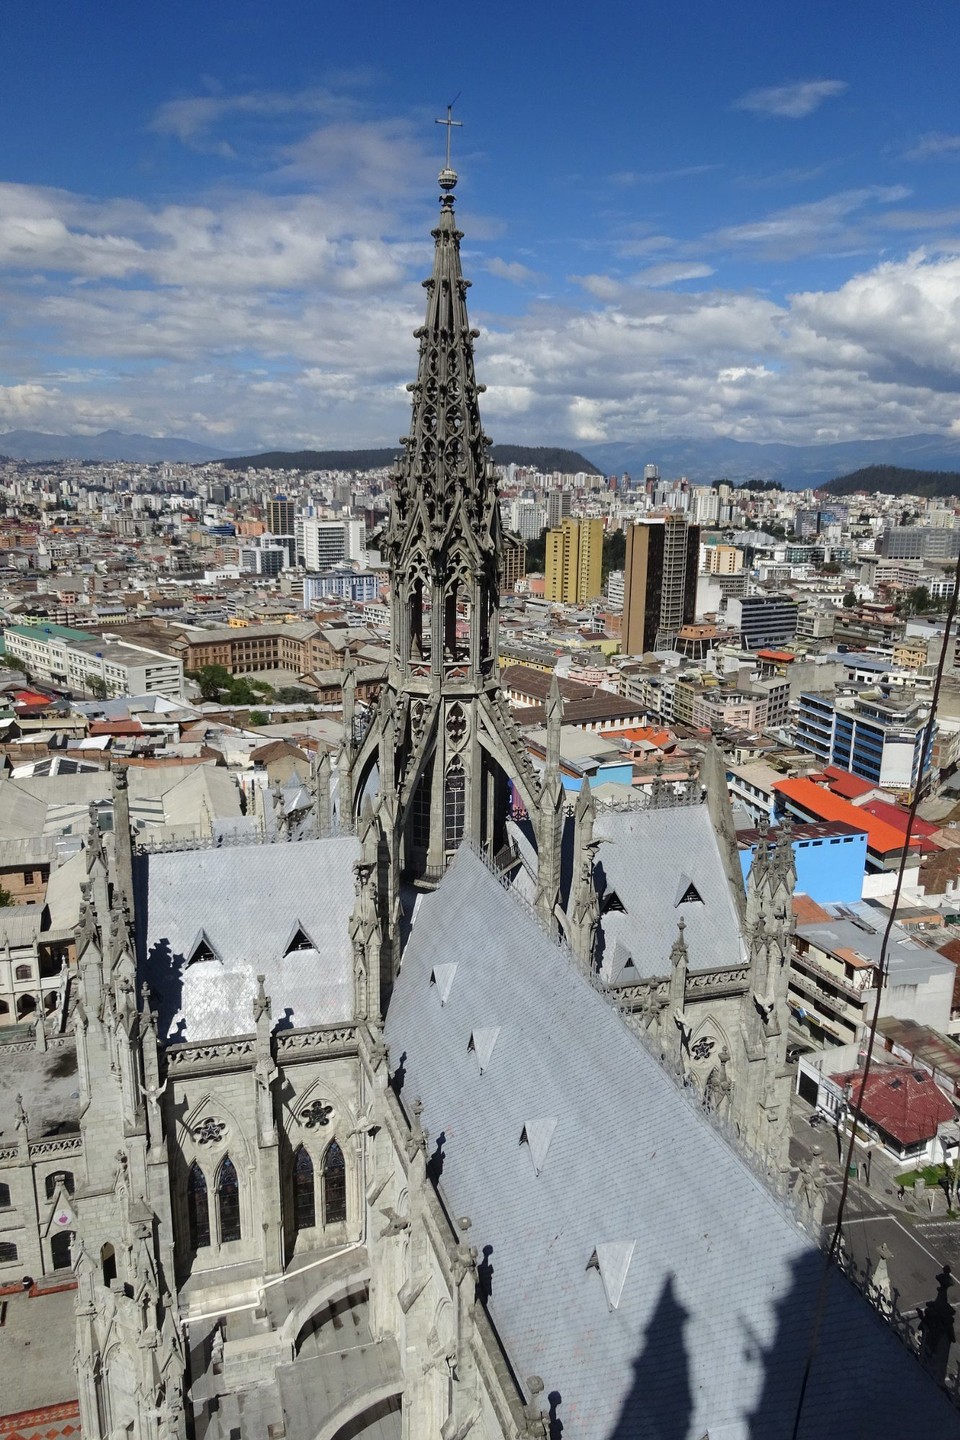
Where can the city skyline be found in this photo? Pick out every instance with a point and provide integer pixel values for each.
(717, 225)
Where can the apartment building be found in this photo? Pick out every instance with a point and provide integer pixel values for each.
(80, 661)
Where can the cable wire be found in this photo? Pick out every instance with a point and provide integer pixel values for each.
(882, 967)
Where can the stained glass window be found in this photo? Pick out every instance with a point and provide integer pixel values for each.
(304, 1205)
(228, 1202)
(197, 1212)
(334, 1185)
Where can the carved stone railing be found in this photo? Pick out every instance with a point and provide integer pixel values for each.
(239, 1051)
(731, 980)
(905, 1324)
(212, 1055)
(297, 1044)
(21, 1047)
(9, 1152)
(56, 1145)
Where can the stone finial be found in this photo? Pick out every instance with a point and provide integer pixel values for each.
(261, 1001)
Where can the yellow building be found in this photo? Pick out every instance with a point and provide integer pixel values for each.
(574, 562)
(724, 560)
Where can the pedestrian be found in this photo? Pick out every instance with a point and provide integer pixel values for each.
(900, 1192)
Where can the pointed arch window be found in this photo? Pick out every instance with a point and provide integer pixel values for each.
(198, 1214)
(334, 1185)
(454, 804)
(228, 1201)
(304, 1201)
(60, 1250)
(108, 1263)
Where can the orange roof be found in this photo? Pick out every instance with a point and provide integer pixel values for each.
(882, 838)
(782, 657)
(845, 783)
(640, 732)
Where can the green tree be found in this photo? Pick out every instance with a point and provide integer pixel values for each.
(259, 717)
(97, 686)
(5, 898)
(614, 551)
(294, 695)
(537, 553)
(849, 600)
(211, 679)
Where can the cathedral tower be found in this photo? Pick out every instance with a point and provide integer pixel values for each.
(443, 741)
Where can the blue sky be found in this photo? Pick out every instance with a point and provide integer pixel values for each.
(738, 220)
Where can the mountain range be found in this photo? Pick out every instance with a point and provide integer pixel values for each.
(797, 467)
(704, 461)
(109, 445)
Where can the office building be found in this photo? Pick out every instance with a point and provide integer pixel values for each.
(918, 542)
(281, 515)
(874, 735)
(93, 664)
(574, 562)
(513, 563)
(660, 583)
(327, 543)
(558, 507)
(763, 619)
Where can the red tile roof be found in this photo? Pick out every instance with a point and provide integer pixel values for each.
(897, 817)
(822, 804)
(845, 783)
(902, 1101)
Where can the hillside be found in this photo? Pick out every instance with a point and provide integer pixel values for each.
(539, 457)
(895, 480)
(797, 467)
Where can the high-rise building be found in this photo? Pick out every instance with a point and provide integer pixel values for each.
(574, 562)
(330, 542)
(558, 507)
(660, 582)
(513, 565)
(281, 515)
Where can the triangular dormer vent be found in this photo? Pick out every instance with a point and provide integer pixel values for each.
(536, 1135)
(611, 901)
(482, 1042)
(612, 1260)
(687, 891)
(201, 949)
(298, 940)
(442, 977)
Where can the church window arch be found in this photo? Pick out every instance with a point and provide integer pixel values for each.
(4, 1197)
(198, 1213)
(334, 1185)
(26, 1005)
(23, 972)
(228, 1201)
(60, 1250)
(304, 1196)
(8, 1252)
(454, 804)
(108, 1263)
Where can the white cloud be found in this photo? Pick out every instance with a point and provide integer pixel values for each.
(792, 101)
(513, 271)
(935, 146)
(287, 321)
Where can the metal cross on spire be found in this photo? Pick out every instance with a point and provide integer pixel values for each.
(449, 123)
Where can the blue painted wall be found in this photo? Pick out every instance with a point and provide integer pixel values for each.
(619, 772)
(830, 870)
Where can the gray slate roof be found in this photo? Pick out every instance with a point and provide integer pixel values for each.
(645, 856)
(247, 901)
(698, 1317)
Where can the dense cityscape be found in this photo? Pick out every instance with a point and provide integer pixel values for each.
(479, 767)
